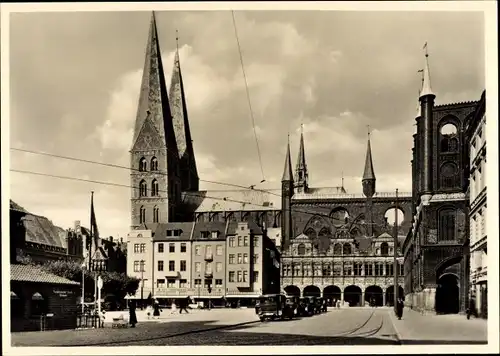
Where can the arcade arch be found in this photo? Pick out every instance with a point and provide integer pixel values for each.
(352, 295)
(312, 291)
(292, 291)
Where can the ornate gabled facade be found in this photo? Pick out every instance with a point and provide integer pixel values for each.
(341, 245)
(436, 247)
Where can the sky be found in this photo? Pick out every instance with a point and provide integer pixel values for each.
(75, 77)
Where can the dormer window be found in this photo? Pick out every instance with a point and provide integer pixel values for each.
(215, 234)
(205, 234)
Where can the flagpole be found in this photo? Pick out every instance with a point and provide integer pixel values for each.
(91, 228)
(396, 286)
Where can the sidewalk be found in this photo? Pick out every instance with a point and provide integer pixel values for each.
(415, 328)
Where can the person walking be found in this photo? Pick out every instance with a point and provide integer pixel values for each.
(173, 307)
(156, 309)
(183, 304)
(399, 308)
(132, 316)
(471, 310)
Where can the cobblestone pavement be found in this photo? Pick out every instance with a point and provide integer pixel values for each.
(231, 327)
(166, 327)
(415, 328)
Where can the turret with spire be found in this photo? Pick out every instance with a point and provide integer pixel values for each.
(369, 179)
(427, 105)
(287, 190)
(154, 146)
(189, 173)
(301, 173)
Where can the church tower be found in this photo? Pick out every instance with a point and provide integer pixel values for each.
(154, 158)
(189, 173)
(286, 199)
(301, 174)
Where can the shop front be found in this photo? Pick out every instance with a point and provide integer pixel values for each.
(41, 301)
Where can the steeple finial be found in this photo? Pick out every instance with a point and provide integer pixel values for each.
(426, 80)
(177, 39)
(342, 180)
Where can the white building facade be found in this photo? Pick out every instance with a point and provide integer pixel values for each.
(478, 211)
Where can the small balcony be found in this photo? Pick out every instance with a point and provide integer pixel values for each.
(209, 275)
(209, 257)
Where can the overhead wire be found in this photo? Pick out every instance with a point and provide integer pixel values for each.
(292, 209)
(248, 95)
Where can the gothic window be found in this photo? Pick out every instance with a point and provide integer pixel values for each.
(143, 166)
(154, 188)
(447, 225)
(277, 220)
(142, 215)
(301, 250)
(156, 214)
(154, 164)
(311, 233)
(339, 216)
(384, 249)
(448, 138)
(449, 175)
(347, 249)
(337, 249)
(143, 188)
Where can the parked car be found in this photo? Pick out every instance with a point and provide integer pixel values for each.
(274, 306)
(307, 306)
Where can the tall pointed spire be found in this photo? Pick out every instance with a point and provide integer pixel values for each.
(153, 100)
(301, 174)
(369, 173)
(154, 147)
(426, 81)
(287, 171)
(368, 180)
(178, 107)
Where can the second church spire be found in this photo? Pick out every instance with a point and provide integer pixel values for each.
(301, 174)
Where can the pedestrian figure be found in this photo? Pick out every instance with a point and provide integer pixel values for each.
(183, 305)
(471, 310)
(173, 307)
(156, 309)
(132, 317)
(399, 308)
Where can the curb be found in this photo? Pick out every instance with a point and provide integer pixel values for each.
(399, 338)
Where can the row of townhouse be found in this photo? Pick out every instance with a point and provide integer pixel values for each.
(204, 260)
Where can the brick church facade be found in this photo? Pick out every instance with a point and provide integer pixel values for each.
(436, 249)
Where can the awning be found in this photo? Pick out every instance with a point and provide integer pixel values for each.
(37, 296)
(13, 295)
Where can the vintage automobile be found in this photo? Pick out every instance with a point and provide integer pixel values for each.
(320, 305)
(293, 302)
(307, 306)
(274, 306)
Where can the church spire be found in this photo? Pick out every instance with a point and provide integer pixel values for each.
(426, 80)
(301, 174)
(178, 107)
(287, 171)
(368, 180)
(153, 98)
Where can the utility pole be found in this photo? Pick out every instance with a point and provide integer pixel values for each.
(396, 286)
